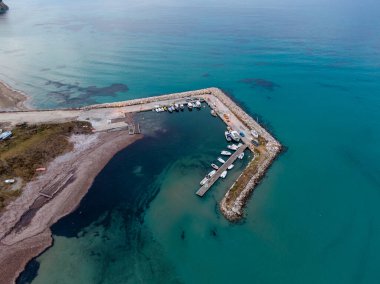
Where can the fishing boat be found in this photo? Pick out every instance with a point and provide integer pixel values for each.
(254, 133)
(181, 106)
(226, 153)
(213, 113)
(233, 147)
(228, 136)
(221, 160)
(214, 166)
(203, 181)
(230, 167)
(235, 136)
(190, 105)
(241, 156)
(210, 174)
(224, 174)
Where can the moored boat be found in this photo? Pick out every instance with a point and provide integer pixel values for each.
(228, 136)
(176, 107)
(214, 166)
(221, 160)
(181, 106)
(213, 113)
(235, 136)
(226, 153)
(233, 147)
(230, 167)
(190, 105)
(203, 181)
(224, 174)
(198, 104)
(241, 156)
(210, 174)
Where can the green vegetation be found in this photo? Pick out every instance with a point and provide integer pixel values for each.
(31, 147)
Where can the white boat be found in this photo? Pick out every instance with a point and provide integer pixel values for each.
(254, 133)
(190, 105)
(230, 167)
(233, 147)
(181, 106)
(235, 136)
(176, 106)
(9, 181)
(228, 136)
(241, 156)
(213, 113)
(198, 104)
(203, 181)
(221, 160)
(226, 153)
(170, 109)
(210, 174)
(224, 174)
(214, 166)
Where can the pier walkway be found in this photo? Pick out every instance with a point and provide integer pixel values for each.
(202, 191)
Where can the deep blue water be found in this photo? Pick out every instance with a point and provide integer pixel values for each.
(310, 71)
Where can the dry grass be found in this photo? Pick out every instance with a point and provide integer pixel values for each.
(245, 177)
(33, 146)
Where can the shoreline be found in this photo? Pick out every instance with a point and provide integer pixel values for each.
(12, 99)
(25, 232)
(19, 245)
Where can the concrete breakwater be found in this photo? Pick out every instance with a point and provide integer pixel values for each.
(232, 207)
(106, 116)
(153, 99)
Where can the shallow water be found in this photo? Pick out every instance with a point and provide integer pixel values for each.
(309, 71)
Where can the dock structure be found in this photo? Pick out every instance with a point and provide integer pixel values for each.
(202, 191)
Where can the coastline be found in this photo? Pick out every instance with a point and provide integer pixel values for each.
(19, 244)
(11, 99)
(25, 230)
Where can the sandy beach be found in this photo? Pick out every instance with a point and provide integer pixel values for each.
(10, 99)
(22, 240)
(25, 223)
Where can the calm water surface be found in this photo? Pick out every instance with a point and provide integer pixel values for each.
(309, 71)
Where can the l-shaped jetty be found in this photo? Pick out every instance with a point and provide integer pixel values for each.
(112, 116)
(97, 132)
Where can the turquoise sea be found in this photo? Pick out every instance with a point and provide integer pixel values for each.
(308, 70)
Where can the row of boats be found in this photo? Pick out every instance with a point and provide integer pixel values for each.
(215, 167)
(178, 107)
